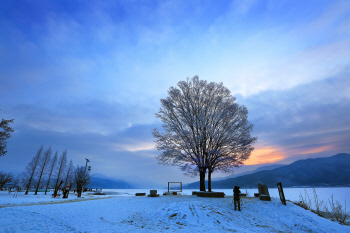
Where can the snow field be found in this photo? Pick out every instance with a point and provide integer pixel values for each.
(7, 199)
(163, 214)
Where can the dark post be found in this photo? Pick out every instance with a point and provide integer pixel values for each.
(281, 193)
(86, 163)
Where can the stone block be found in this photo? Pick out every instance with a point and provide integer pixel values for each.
(265, 198)
(140, 194)
(153, 192)
(211, 194)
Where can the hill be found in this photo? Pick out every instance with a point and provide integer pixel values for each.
(318, 172)
(131, 182)
(98, 182)
(267, 167)
(263, 168)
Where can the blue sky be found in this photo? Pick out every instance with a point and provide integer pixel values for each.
(88, 76)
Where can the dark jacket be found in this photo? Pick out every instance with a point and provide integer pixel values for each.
(236, 193)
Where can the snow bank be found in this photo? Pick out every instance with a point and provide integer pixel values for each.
(12, 199)
(165, 213)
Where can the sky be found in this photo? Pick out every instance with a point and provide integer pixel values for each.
(88, 76)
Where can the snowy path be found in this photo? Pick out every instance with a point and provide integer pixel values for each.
(164, 214)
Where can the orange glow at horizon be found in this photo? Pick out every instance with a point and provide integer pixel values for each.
(316, 150)
(267, 154)
(272, 154)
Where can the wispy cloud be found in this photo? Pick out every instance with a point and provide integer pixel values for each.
(267, 154)
(89, 77)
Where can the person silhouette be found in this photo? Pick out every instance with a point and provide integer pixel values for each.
(236, 199)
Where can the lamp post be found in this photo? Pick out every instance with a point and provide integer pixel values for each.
(87, 161)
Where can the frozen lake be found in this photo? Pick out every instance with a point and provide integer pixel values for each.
(339, 193)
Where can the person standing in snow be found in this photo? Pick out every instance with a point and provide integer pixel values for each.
(236, 199)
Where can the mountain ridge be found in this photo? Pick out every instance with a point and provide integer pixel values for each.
(319, 172)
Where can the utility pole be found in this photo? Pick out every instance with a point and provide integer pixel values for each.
(87, 161)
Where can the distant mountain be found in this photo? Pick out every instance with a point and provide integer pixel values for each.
(268, 167)
(318, 172)
(129, 182)
(263, 168)
(142, 183)
(105, 183)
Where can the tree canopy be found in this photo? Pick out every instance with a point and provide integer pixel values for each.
(204, 129)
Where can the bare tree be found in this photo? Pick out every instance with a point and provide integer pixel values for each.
(204, 129)
(5, 178)
(29, 174)
(62, 164)
(5, 133)
(70, 171)
(234, 145)
(51, 168)
(82, 178)
(42, 167)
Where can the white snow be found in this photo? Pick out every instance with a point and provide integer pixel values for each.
(7, 199)
(128, 213)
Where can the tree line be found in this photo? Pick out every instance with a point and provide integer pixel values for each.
(45, 171)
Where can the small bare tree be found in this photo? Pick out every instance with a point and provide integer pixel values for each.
(69, 176)
(318, 203)
(62, 164)
(82, 178)
(42, 167)
(5, 178)
(337, 212)
(29, 174)
(51, 168)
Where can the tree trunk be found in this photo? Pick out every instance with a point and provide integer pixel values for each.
(33, 167)
(209, 181)
(53, 164)
(79, 190)
(37, 186)
(202, 179)
(48, 182)
(57, 188)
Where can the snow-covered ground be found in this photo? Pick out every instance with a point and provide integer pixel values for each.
(128, 213)
(340, 194)
(9, 200)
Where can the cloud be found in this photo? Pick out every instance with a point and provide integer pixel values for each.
(89, 77)
(309, 119)
(97, 148)
(243, 7)
(94, 116)
(265, 154)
